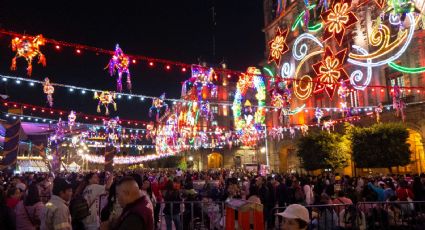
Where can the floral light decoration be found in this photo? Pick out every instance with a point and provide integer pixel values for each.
(120, 63)
(318, 113)
(337, 20)
(28, 48)
(71, 119)
(398, 103)
(378, 111)
(105, 99)
(246, 124)
(329, 71)
(278, 46)
(158, 104)
(48, 89)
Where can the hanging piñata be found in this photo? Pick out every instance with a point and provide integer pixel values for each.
(120, 63)
(105, 99)
(28, 48)
(48, 89)
(157, 105)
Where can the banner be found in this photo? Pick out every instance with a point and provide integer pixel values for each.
(109, 157)
(11, 146)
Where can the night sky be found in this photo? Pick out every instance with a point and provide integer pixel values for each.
(174, 30)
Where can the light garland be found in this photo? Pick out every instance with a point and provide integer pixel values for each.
(357, 75)
(301, 52)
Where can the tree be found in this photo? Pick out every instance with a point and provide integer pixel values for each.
(380, 146)
(324, 150)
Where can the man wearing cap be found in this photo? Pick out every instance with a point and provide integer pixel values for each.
(295, 217)
(56, 214)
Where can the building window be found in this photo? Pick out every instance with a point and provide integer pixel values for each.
(214, 109)
(354, 100)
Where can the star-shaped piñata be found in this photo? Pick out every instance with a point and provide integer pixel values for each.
(337, 20)
(278, 46)
(330, 71)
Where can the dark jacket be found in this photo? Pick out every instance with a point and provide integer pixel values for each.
(136, 215)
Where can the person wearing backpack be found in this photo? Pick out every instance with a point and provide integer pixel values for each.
(85, 205)
(28, 211)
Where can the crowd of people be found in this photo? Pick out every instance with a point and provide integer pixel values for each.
(156, 199)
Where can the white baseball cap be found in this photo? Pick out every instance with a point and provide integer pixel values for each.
(295, 211)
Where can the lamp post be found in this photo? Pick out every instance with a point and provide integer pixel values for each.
(266, 149)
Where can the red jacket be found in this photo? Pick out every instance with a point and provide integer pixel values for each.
(156, 191)
(402, 194)
(139, 208)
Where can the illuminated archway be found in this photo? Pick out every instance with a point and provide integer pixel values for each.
(215, 160)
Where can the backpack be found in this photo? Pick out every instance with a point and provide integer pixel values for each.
(79, 208)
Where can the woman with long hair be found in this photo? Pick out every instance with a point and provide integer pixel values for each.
(28, 211)
(112, 211)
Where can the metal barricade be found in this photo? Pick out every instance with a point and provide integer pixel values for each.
(363, 215)
(192, 215)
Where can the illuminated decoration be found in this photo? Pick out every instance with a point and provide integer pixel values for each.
(28, 48)
(166, 141)
(380, 3)
(303, 86)
(48, 89)
(278, 46)
(123, 160)
(378, 111)
(281, 5)
(329, 71)
(113, 132)
(380, 41)
(287, 70)
(400, 6)
(71, 119)
(318, 113)
(247, 124)
(356, 77)
(323, 3)
(304, 129)
(59, 133)
(120, 63)
(328, 125)
(398, 103)
(337, 20)
(299, 18)
(157, 105)
(300, 51)
(409, 70)
(380, 37)
(306, 12)
(202, 80)
(105, 99)
(150, 131)
(292, 132)
(343, 93)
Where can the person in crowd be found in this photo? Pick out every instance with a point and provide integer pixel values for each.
(156, 189)
(146, 189)
(308, 191)
(172, 206)
(28, 211)
(7, 216)
(112, 211)
(379, 190)
(295, 217)
(342, 201)
(13, 197)
(56, 214)
(389, 191)
(91, 190)
(135, 214)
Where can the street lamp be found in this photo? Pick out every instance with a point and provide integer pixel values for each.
(263, 150)
(191, 158)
